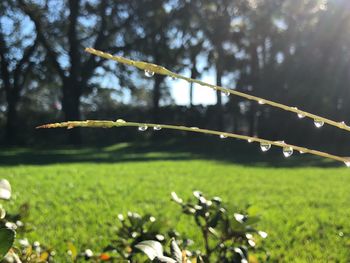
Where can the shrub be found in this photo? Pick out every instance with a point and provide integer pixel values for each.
(227, 237)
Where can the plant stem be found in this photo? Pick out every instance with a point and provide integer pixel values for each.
(163, 71)
(122, 123)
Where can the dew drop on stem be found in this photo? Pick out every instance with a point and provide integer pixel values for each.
(120, 121)
(226, 93)
(301, 115)
(157, 128)
(223, 136)
(143, 128)
(265, 146)
(149, 73)
(318, 123)
(287, 151)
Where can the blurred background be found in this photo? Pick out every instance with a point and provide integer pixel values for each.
(294, 52)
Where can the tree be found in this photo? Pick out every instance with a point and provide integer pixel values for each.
(215, 19)
(64, 35)
(17, 52)
(193, 41)
(162, 42)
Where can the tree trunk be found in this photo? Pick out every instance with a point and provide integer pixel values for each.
(191, 94)
(253, 125)
(251, 121)
(11, 118)
(71, 109)
(194, 74)
(156, 96)
(219, 111)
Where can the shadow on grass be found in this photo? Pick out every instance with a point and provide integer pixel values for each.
(230, 151)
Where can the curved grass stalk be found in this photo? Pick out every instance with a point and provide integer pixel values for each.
(163, 71)
(144, 126)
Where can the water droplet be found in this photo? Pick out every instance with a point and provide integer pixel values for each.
(249, 140)
(261, 102)
(69, 127)
(223, 136)
(149, 73)
(143, 128)
(287, 152)
(301, 152)
(157, 128)
(120, 121)
(301, 115)
(265, 146)
(318, 123)
(174, 78)
(226, 93)
(347, 163)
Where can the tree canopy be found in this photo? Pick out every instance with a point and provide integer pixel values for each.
(296, 52)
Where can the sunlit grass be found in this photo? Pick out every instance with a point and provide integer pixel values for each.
(304, 210)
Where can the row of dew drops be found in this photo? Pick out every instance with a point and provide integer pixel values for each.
(265, 146)
(317, 122)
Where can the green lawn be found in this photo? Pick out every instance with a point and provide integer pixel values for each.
(77, 194)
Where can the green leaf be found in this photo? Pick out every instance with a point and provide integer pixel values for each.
(200, 259)
(241, 254)
(176, 252)
(215, 220)
(251, 220)
(163, 259)
(73, 250)
(5, 189)
(153, 249)
(7, 237)
(175, 198)
(2, 212)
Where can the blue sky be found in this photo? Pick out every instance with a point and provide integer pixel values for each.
(201, 95)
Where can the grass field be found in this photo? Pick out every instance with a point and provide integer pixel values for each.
(77, 194)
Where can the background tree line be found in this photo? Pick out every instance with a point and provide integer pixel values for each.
(296, 52)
